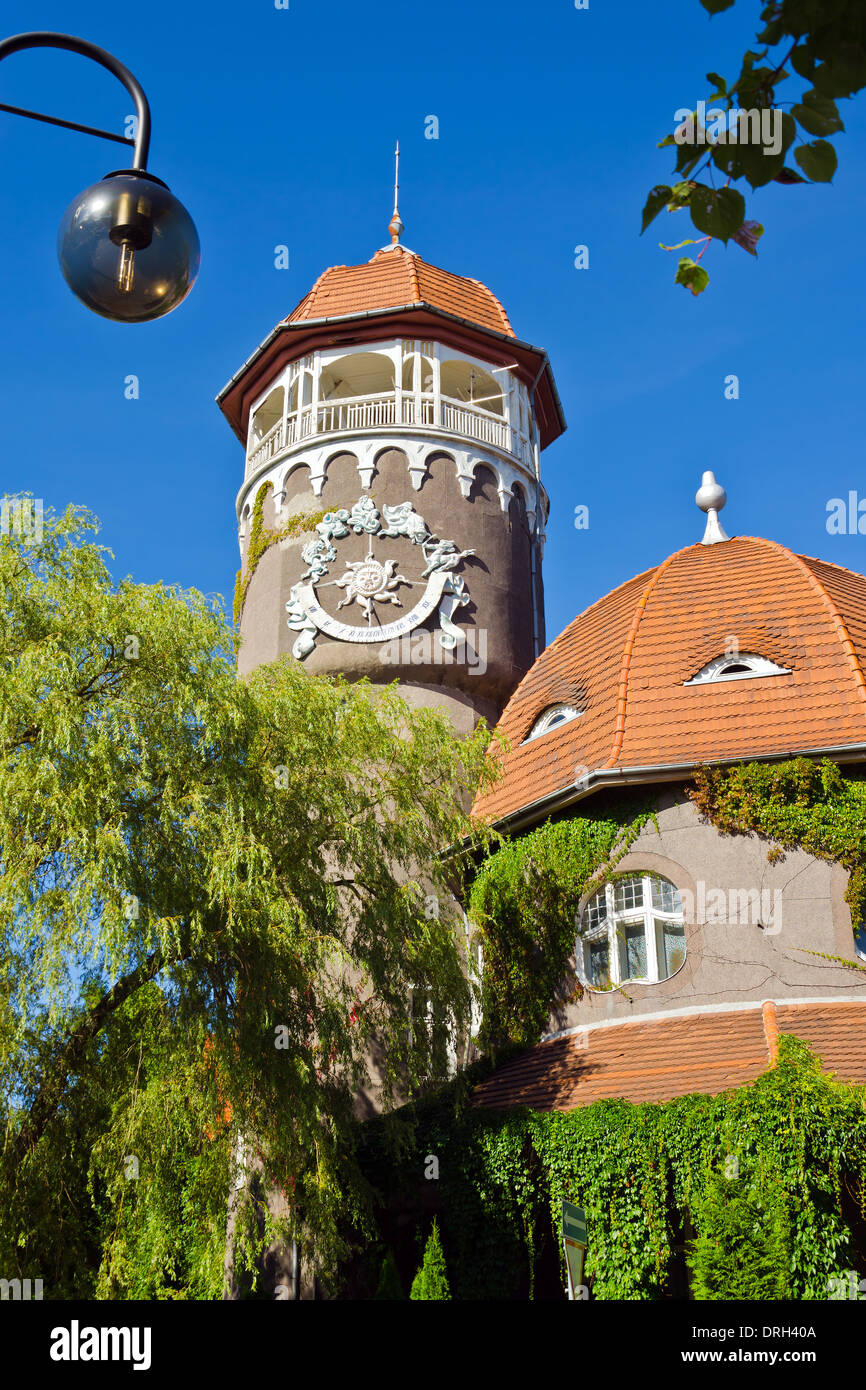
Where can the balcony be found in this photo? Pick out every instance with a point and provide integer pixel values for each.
(386, 410)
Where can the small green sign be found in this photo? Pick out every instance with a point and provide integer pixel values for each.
(574, 1247)
(574, 1223)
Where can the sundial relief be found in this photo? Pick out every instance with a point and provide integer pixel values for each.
(377, 583)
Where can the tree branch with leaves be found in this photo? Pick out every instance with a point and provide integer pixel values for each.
(742, 134)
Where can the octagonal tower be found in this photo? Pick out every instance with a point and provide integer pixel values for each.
(391, 516)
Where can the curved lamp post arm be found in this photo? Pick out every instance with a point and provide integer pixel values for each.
(46, 39)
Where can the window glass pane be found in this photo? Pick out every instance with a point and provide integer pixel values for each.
(666, 897)
(671, 947)
(860, 939)
(599, 963)
(595, 911)
(628, 893)
(632, 951)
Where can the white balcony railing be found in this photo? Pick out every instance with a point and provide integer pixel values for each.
(392, 408)
(477, 424)
(357, 413)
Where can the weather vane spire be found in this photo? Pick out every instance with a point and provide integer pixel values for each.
(395, 226)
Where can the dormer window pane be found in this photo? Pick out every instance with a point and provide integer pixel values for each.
(552, 718)
(743, 666)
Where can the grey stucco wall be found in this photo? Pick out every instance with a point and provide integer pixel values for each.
(795, 905)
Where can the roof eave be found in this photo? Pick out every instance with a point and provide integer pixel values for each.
(560, 800)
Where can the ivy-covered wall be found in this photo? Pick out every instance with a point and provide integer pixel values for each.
(262, 537)
(759, 1193)
(523, 905)
(767, 857)
(802, 803)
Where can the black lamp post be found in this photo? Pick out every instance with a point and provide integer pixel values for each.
(128, 249)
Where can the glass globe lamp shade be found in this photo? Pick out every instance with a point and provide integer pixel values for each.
(127, 248)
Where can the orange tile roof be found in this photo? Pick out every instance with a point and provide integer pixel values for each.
(396, 277)
(836, 1031)
(657, 1060)
(626, 658)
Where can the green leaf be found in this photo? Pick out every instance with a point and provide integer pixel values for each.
(750, 57)
(658, 198)
(688, 156)
(773, 32)
(818, 114)
(691, 275)
(844, 73)
(718, 213)
(817, 160)
(721, 84)
(716, 6)
(759, 166)
(680, 195)
(786, 175)
(802, 61)
(728, 159)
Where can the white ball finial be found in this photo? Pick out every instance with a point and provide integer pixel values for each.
(711, 497)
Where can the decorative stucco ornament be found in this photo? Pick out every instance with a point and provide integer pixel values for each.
(374, 582)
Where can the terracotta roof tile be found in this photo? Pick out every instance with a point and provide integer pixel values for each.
(395, 277)
(836, 1031)
(657, 1060)
(632, 651)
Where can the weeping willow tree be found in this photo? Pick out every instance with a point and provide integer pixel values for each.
(210, 922)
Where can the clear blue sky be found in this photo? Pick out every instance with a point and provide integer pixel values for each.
(278, 126)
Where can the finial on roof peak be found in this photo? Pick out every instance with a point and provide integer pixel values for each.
(711, 497)
(395, 226)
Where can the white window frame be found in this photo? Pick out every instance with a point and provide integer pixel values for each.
(429, 1020)
(646, 915)
(714, 671)
(553, 718)
(475, 963)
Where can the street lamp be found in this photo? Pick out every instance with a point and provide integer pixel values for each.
(127, 248)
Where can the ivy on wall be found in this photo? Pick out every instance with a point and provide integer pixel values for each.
(524, 904)
(763, 1187)
(765, 1184)
(262, 537)
(800, 803)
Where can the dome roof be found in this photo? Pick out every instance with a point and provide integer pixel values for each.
(628, 661)
(394, 279)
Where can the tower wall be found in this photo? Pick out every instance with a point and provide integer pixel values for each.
(479, 504)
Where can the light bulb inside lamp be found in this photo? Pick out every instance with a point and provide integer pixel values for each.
(128, 249)
(132, 231)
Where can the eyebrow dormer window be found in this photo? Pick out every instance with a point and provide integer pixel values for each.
(552, 718)
(736, 668)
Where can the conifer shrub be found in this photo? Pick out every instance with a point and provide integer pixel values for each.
(389, 1286)
(431, 1281)
(742, 1250)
